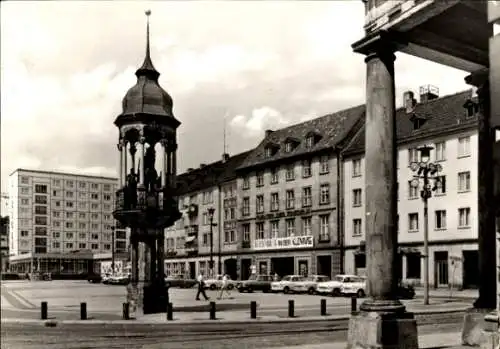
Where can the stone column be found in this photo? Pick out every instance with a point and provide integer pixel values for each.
(142, 149)
(160, 255)
(487, 300)
(120, 163)
(133, 150)
(382, 321)
(173, 172)
(164, 157)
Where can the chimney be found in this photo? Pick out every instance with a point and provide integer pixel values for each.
(428, 93)
(409, 101)
(225, 157)
(268, 132)
(202, 165)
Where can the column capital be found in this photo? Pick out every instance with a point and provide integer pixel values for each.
(478, 78)
(380, 43)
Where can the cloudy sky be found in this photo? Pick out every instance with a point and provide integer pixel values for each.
(256, 65)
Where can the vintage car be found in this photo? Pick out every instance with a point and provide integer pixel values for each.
(285, 285)
(256, 283)
(309, 284)
(118, 279)
(179, 281)
(334, 286)
(216, 283)
(354, 286)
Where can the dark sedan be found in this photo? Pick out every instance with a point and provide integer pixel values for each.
(256, 283)
(179, 281)
(94, 278)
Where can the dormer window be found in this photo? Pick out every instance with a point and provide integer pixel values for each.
(418, 121)
(288, 147)
(291, 144)
(270, 150)
(471, 108)
(311, 139)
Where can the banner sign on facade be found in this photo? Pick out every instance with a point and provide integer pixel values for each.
(282, 243)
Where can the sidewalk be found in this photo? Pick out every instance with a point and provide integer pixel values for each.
(446, 293)
(426, 341)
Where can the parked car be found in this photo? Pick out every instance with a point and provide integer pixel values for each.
(256, 283)
(179, 281)
(334, 286)
(216, 283)
(285, 284)
(354, 286)
(308, 285)
(118, 280)
(94, 278)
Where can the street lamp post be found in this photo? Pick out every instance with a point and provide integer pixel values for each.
(113, 249)
(211, 211)
(427, 171)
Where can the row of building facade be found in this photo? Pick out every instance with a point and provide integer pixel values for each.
(295, 203)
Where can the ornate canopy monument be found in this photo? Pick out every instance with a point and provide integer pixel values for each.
(145, 200)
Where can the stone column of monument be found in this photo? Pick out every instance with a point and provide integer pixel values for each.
(474, 319)
(382, 321)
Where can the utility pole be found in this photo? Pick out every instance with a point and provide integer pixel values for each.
(113, 249)
(211, 211)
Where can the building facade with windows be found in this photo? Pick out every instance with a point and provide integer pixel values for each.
(449, 125)
(58, 221)
(4, 243)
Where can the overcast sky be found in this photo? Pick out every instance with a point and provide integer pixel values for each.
(67, 65)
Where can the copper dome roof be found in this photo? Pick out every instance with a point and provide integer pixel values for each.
(147, 96)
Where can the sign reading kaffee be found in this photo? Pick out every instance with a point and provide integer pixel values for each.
(281, 243)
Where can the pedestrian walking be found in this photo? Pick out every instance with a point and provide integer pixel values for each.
(201, 288)
(224, 287)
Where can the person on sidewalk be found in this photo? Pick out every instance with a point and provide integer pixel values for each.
(224, 287)
(201, 288)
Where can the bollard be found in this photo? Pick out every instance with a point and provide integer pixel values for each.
(212, 310)
(44, 311)
(291, 308)
(170, 309)
(253, 309)
(126, 311)
(83, 311)
(354, 306)
(323, 307)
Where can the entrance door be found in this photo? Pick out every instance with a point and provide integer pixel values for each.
(360, 264)
(441, 268)
(192, 270)
(303, 268)
(470, 269)
(282, 266)
(245, 268)
(230, 266)
(324, 265)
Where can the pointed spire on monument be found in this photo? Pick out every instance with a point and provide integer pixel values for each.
(147, 69)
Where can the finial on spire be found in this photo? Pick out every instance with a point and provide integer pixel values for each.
(147, 66)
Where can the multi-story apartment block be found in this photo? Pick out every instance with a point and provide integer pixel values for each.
(208, 190)
(58, 221)
(449, 125)
(4, 243)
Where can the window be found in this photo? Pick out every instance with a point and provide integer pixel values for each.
(94, 216)
(56, 182)
(464, 146)
(120, 234)
(268, 152)
(107, 197)
(40, 209)
(464, 217)
(413, 265)
(82, 215)
(69, 235)
(95, 236)
(25, 191)
(69, 194)
(413, 222)
(441, 189)
(106, 187)
(306, 168)
(259, 230)
(259, 203)
(412, 191)
(440, 219)
(290, 172)
(69, 245)
(25, 180)
(356, 227)
(413, 155)
(306, 197)
(246, 206)
(40, 220)
(324, 164)
(82, 245)
(94, 186)
(356, 168)
(246, 183)
(82, 185)
(464, 181)
(274, 175)
(106, 207)
(275, 203)
(82, 195)
(56, 244)
(70, 184)
(275, 229)
(246, 232)
(208, 197)
(260, 178)
(94, 206)
(82, 225)
(25, 233)
(56, 224)
(56, 234)
(69, 225)
(41, 199)
(290, 199)
(25, 201)
(288, 147)
(290, 227)
(310, 141)
(41, 231)
(324, 227)
(69, 204)
(82, 205)
(324, 197)
(40, 188)
(95, 246)
(440, 151)
(306, 226)
(94, 226)
(356, 198)
(205, 216)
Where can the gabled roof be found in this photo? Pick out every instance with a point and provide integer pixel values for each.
(332, 128)
(443, 114)
(210, 175)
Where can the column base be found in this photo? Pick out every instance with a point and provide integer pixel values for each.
(480, 328)
(145, 298)
(378, 330)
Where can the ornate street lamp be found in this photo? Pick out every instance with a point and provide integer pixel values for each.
(211, 211)
(427, 171)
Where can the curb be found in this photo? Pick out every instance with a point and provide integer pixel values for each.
(246, 321)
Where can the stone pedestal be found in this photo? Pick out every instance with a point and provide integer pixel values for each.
(376, 330)
(480, 328)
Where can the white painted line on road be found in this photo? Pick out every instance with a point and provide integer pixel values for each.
(22, 300)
